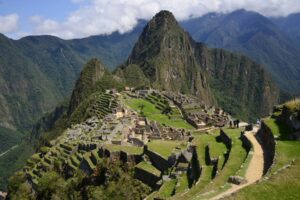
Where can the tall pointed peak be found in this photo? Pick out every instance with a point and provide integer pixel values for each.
(162, 20)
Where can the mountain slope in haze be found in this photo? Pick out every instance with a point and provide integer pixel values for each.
(253, 35)
(170, 60)
(38, 72)
(289, 25)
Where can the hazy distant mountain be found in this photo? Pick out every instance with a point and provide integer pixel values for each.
(254, 35)
(290, 25)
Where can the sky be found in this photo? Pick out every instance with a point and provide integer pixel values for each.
(70, 19)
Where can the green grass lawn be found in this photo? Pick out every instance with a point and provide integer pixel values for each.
(278, 129)
(148, 167)
(183, 184)
(167, 189)
(284, 185)
(165, 148)
(154, 114)
(128, 149)
(285, 150)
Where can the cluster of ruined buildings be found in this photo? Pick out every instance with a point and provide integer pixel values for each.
(197, 114)
(124, 126)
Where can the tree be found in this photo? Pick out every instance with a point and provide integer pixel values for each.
(141, 106)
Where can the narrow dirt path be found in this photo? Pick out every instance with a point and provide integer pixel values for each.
(255, 168)
(12, 148)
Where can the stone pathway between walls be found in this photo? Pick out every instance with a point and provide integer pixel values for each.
(255, 168)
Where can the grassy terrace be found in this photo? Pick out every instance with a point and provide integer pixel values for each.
(182, 184)
(148, 167)
(286, 150)
(165, 148)
(284, 185)
(278, 129)
(128, 149)
(152, 113)
(281, 185)
(216, 150)
(236, 159)
(167, 189)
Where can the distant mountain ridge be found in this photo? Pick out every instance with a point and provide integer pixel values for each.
(52, 65)
(254, 35)
(38, 72)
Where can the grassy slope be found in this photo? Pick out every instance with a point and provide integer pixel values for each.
(128, 149)
(154, 114)
(165, 148)
(237, 156)
(283, 185)
(149, 168)
(217, 149)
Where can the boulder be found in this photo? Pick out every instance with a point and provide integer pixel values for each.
(237, 180)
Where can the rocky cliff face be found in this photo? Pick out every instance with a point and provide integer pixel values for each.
(239, 85)
(170, 60)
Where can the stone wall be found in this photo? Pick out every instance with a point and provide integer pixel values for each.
(245, 142)
(147, 178)
(195, 169)
(84, 166)
(123, 156)
(223, 137)
(266, 139)
(157, 160)
(87, 147)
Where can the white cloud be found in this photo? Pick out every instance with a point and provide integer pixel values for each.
(106, 16)
(9, 23)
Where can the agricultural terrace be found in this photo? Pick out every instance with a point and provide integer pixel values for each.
(154, 112)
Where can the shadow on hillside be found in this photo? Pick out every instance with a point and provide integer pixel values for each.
(285, 132)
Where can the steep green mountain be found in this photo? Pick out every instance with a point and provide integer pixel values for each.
(38, 72)
(171, 60)
(164, 53)
(26, 91)
(255, 36)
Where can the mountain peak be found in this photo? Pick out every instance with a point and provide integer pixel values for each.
(165, 15)
(163, 19)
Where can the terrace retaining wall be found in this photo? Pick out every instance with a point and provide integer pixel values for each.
(147, 178)
(157, 160)
(266, 139)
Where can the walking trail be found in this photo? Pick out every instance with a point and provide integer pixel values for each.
(12, 148)
(255, 168)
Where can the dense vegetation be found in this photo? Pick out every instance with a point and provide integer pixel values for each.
(13, 161)
(9, 138)
(112, 180)
(38, 72)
